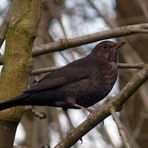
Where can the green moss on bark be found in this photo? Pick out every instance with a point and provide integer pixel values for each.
(17, 63)
(17, 57)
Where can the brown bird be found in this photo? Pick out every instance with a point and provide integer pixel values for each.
(79, 84)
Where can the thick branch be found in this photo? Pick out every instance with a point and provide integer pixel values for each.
(82, 40)
(13, 79)
(104, 110)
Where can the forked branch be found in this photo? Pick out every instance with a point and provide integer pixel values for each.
(104, 111)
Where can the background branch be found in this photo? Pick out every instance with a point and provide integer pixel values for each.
(120, 128)
(63, 44)
(131, 66)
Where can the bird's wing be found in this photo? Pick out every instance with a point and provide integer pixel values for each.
(68, 74)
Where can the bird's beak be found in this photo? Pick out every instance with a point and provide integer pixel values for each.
(118, 45)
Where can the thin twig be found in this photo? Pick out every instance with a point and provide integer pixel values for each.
(139, 126)
(120, 128)
(106, 137)
(131, 66)
(44, 70)
(68, 118)
(64, 32)
(104, 111)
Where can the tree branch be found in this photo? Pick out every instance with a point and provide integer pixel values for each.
(120, 128)
(63, 44)
(104, 111)
(131, 66)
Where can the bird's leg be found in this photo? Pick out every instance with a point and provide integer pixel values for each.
(72, 102)
(84, 108)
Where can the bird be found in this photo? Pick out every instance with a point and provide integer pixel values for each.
(78, 85)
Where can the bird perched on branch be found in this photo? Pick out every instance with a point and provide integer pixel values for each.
(79, 84)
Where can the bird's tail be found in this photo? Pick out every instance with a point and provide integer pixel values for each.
(13, 102)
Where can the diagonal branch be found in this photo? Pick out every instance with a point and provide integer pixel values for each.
(63, 44)
(104, 111)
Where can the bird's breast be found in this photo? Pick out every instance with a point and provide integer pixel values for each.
(109, 76)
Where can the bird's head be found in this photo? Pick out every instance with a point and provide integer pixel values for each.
(107, 50)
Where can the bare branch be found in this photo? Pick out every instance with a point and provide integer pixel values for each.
(44, 70)
(120, 128)
(131, 66)
(104, 111)
(63, 44)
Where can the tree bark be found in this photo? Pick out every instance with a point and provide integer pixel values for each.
(17, 63)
